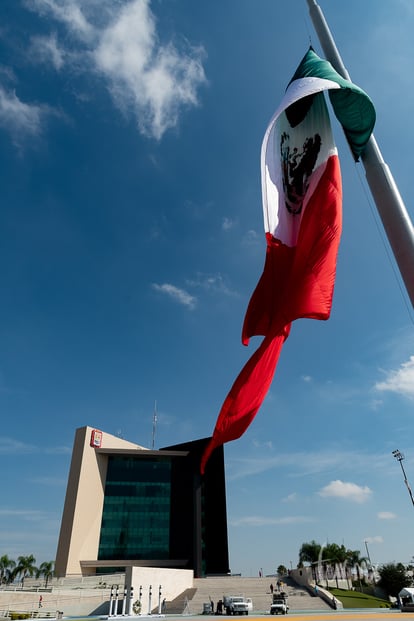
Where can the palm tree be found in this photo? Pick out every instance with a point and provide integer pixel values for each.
(6, 569)
(282, 570)
(355, 559)
(335, 555)
(47, 570)
(25, 567)
(310, 553)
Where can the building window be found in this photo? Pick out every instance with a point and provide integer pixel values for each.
(136, 511)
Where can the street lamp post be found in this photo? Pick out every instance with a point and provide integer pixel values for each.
(400, 457)
(368, 556)
(371, 569)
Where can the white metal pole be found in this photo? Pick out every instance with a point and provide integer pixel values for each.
(124, 601)
(390, 206)
(149, 599)
(131, 600)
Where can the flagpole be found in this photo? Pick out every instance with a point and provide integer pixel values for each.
(390, 206)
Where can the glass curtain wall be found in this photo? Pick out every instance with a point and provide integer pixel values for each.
(136, 511)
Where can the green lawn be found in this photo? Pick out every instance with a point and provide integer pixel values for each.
(353, 599)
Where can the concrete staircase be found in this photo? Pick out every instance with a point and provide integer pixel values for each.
(92, 597)
(258, 589)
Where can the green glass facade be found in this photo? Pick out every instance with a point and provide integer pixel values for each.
(136, 511)
(159, 510)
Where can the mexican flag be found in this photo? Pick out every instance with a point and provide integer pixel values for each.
(302, 209)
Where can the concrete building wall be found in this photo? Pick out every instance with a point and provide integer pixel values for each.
(82, 513)
(189, 528)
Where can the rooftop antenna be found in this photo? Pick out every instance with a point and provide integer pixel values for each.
(154, 425)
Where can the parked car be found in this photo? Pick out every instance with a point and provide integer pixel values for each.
(236, 605)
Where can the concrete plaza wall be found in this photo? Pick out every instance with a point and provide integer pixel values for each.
(164, 583)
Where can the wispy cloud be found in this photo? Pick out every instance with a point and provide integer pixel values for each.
(58, 450)
(255, 520)
(302, 464)
(251, 238)
(267, 445)
(47, 49)
(375, 539)
(346, 491)
(49, 481)
(178, 295)
(26, 514)
(400, 381)
(118, 42)
(290, 498)
(10, 446)
(214, 283)
(228, 224)
(20, 119)
(386, 515)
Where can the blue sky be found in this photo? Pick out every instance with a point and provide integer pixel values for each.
(132, 238)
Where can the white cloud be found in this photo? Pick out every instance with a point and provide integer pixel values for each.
(179, 295)
(152, 80)
(46, 49)
(400, 381)
(68, 12)
(26, 514)
(256, 520)
(227, 224)
(9, 446)
(386, 515)
(211, 282)
(268, 445)
(251, 238)
(290, 498)
(118, 42)
(304, 464)
(20, 119)
(347, 491)
(376, 539)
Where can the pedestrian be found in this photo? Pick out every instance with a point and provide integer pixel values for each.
(40, 601)
(271, 588)
(212, 606)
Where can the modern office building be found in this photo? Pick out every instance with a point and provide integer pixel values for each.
(129, 506)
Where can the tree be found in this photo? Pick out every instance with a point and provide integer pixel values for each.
(393, 578)
(6, 569)
(47, 570)
(334, 553)
(310, 552)
(334, 556)
(356, 561)
(25, 567)
(281, 570)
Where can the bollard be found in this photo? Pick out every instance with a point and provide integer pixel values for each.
(159, 599)
(124, 601)
(111, 602)
(131, 600)
(149, 599)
